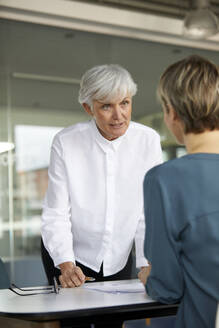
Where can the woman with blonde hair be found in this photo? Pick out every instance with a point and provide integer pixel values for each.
(181, 197)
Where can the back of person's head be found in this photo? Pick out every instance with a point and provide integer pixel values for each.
(191, 88)
(106, 83)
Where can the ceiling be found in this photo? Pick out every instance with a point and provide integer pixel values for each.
(49, 58)
(169, 8)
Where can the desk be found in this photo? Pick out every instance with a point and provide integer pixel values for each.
(77, 305)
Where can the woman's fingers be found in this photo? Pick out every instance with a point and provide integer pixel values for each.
(72, 277)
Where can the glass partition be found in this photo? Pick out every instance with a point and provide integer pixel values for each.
(40, 70)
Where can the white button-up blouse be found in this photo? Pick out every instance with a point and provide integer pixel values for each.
(93, 209)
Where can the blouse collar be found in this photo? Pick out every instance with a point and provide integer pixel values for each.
(105, 143)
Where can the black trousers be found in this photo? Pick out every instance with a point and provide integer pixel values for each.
(51, 272)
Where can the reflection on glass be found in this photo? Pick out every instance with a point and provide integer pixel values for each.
(165, 155)
(6, 146)
(33, 108)
(33, 144)
(4, 240)
(180, 151)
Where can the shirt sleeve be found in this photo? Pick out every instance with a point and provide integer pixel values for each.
(139, 243)
(56, 224)
(156, 151)
(156, 158)
(165, 283)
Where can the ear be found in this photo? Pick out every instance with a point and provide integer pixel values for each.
(173, 114)
(88, 109)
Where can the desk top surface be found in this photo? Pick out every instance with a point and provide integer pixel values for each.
(70, 299)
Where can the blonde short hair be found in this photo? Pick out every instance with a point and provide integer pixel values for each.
(191, 88)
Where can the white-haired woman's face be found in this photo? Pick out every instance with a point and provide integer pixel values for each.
(112, 118)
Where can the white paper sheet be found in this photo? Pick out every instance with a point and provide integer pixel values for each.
(117, 287)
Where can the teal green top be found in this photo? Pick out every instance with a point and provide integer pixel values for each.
(181, 200)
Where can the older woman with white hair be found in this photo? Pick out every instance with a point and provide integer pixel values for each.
(93, 209)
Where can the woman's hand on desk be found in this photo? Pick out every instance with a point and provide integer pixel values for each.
(144, 273)
(71, 275)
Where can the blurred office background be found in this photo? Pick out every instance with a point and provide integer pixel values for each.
(45, 47)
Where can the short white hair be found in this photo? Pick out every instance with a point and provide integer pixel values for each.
(106, 83)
